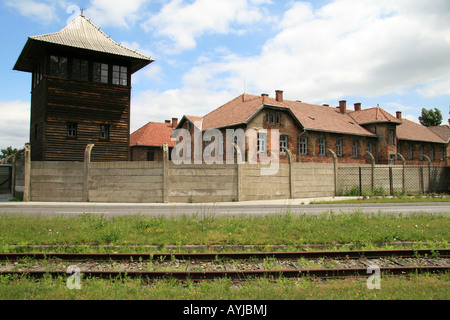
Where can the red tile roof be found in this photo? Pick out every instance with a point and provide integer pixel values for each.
(312, 117)
(409, 130)
(153, 134)
(442, 131)
(373, 115)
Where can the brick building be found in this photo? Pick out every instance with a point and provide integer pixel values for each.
(309, 131)
(146, 143)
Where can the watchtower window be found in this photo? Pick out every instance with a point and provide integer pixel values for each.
(58, 66)
(72, 130)
(80, 69)
(104, 131)
(120, 75)
(100, 72)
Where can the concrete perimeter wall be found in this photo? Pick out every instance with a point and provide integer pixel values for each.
(152, 182)
(149, 182)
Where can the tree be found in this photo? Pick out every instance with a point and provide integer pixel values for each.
(9, 151)
(430, 118)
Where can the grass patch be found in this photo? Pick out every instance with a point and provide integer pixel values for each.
(205, 229)
(398, 199)
(416, 287)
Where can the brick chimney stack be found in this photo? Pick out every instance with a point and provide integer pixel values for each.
(174, 122)
(279, 95)
(343, 106)
(358, 106)
(399, 115)
(264, 95)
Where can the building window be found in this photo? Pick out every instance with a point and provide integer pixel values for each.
(150, 155)
(72, 130)
(432, 153)
(391, 137)
(80, 69)
(442, 154)
(100, 72)
(58, 66)
(355, 149)
(392, 159)
(273, 118)
(369, 147)
(262, 142)
(38, 74)
(303, 146)
(421, 153)
(339, 148)
(104, 131)
(283, 143)
(410, 151)
(120, 75)
(321, 147)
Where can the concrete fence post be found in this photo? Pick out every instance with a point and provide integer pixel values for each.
(372, 161)
(291, 173)
(166, 164)
(335, 161)
(238, 171)
(27, 176)
(429, 172)
(86, 172)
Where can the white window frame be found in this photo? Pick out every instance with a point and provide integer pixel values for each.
(355, 149)
(339, 147)
(283, 143)
(322, 147)
(262, 142)
(303, 146)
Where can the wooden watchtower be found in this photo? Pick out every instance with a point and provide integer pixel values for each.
(81, 88)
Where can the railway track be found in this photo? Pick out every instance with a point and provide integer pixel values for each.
(237, 266)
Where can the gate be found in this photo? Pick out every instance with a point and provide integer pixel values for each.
(5, 178)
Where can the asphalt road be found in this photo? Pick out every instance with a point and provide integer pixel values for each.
(253, 208)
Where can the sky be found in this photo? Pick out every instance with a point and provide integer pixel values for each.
(392, 54)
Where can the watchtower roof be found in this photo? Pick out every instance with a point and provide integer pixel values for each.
(82, 34)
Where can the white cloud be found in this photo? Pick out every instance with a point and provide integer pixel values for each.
(152, 105)
(115, 13)
(14, 123)
(184, 22)
(347, 47)
(435, 88)
(43, 11)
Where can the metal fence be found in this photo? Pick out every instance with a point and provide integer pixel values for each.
(391, 180)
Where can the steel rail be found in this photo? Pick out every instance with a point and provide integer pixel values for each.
(236, 275)
(351, 254)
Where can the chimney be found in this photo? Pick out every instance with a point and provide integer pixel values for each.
(326, 105)
(167, 121)
(343, 106)
(279, 95)
(399, 115)
(264, 95)
(358, 106)
(174, 122)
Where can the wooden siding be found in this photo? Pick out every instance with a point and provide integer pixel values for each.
(37, 120)
(89, 105)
